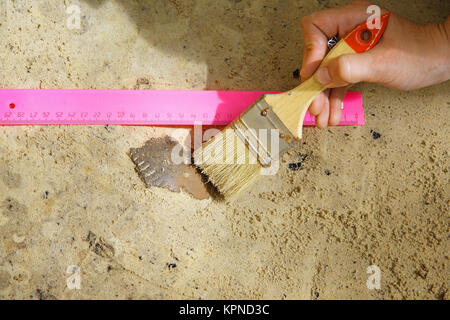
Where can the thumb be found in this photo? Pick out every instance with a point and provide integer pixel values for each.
(346, 70)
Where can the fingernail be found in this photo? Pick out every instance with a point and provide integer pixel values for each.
(322, 76)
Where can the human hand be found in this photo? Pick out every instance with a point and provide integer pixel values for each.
(408, 56)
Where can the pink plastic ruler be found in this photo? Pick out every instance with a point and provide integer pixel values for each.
(140, 107)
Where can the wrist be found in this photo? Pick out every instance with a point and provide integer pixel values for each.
(439, 37)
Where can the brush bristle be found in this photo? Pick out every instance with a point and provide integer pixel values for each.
(228, 163)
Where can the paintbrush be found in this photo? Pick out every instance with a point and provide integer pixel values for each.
(234, 159)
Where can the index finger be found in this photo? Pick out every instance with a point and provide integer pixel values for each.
(320, 26)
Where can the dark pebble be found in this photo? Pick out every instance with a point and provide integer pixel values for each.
(375, 134)
(295, 166)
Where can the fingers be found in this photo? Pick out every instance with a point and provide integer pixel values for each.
(338, 73)
(314, 50)
(320, 26)
(327, 107)
(318, 103)
(336, 100)
(322, 117)
(348, 69)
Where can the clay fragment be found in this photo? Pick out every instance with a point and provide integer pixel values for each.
(155, 167)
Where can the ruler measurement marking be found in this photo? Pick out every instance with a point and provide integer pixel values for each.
(138, 117)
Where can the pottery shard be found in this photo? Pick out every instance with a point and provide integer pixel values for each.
(155, 167)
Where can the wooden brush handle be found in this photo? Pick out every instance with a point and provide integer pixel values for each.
(291, 106)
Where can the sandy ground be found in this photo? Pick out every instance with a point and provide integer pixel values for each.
(70, 195)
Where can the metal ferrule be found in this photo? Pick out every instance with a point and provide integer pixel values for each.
(263, 132)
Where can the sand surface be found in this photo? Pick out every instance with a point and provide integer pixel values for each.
(69, 196)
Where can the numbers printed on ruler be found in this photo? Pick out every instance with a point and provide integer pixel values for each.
(74, 116)
(122, 117)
